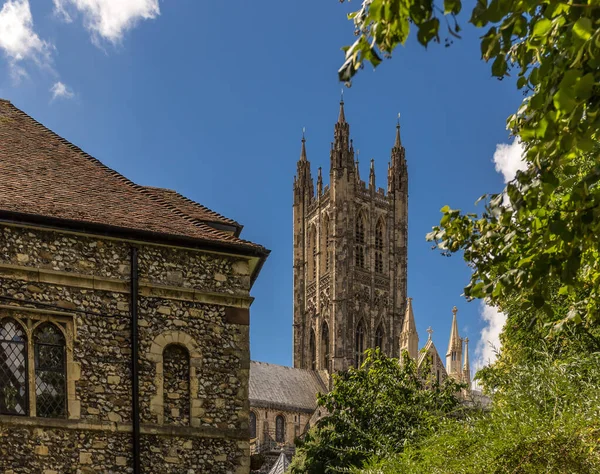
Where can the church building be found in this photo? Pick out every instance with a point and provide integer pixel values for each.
(350, 289)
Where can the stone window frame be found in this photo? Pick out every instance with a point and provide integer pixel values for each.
(380, 336)
(155, 354)
(360, 342)
(284, 428)
(325, 345)
(380, 242)
(252, 412)
(30, 320)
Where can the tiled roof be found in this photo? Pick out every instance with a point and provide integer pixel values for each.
(43, 174)
(191, 208)
(277, 386)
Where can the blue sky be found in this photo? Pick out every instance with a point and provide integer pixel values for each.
(210, 98)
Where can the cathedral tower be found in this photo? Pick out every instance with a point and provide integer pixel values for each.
(350, 257)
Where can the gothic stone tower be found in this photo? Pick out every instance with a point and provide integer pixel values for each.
(350, 258)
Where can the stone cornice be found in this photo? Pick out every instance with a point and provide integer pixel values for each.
(147, 289)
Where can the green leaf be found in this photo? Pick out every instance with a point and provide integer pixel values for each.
(452, 6)
(499, 66)
(542, 27)
(582, 28)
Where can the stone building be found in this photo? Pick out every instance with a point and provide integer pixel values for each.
(350, 280)
(124, 312)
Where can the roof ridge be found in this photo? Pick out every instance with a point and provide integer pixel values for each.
(115, 174)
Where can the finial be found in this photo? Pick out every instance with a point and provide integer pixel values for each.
(372, 163)
(466, 340)
(409, 299)
(303, 133)
(430, 332)
(303, 150)
(454, 310)
(398, 142)
(342, 96)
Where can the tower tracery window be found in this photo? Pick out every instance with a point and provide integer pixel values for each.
(325, 347)
(379, 337)
(359, 238)
(327, 244)
(359, 346)
(13, 368)
(50, 371)
(280, 429)
(313, 252)
(313, 351)
(379, 233)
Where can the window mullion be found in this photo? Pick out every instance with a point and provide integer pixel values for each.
(31, 369)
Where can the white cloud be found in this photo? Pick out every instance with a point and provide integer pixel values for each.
(61, 91)
(18, 40)
(489, 340)
(108, 19)
(508, 159)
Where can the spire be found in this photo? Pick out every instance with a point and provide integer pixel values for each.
(455, 342)
(429, 332)
(467, 366)
(303, 150)
(303, 185)
(409, 339)
(409, 325)
(372, 175)
(342, 153)
(342, 116)
(397, 174)
(398, 142)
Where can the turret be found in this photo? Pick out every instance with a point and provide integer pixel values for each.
(303, 183)
(372, 176)
(466, 366)
(342, 149)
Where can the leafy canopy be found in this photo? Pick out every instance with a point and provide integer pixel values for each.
(545, 418)
(376, 408)
(546, 223)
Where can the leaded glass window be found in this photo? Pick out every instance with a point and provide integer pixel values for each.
(50, 371)
(280, 429)
(13, 368)
(252, 425)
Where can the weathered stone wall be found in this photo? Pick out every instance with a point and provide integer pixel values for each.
(295, 424)
(194, 299)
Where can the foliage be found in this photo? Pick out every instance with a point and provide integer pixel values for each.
(547, 221)
(545, 418)
(376, 408)
(527, 339)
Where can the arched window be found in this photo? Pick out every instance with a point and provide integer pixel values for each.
(13, 368)
(252, 425)
(176, 385)
(379, 337)
(313, 351)
(359, 344)
(379, 233)
(50, 371)
(359, 238)
(325, 347)
(280, 429)
(328, 256)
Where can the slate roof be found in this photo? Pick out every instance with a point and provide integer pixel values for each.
(43, 174)
(279, 387)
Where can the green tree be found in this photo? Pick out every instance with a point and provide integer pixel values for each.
(544, 419)
(546, 223)
(375, 409)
